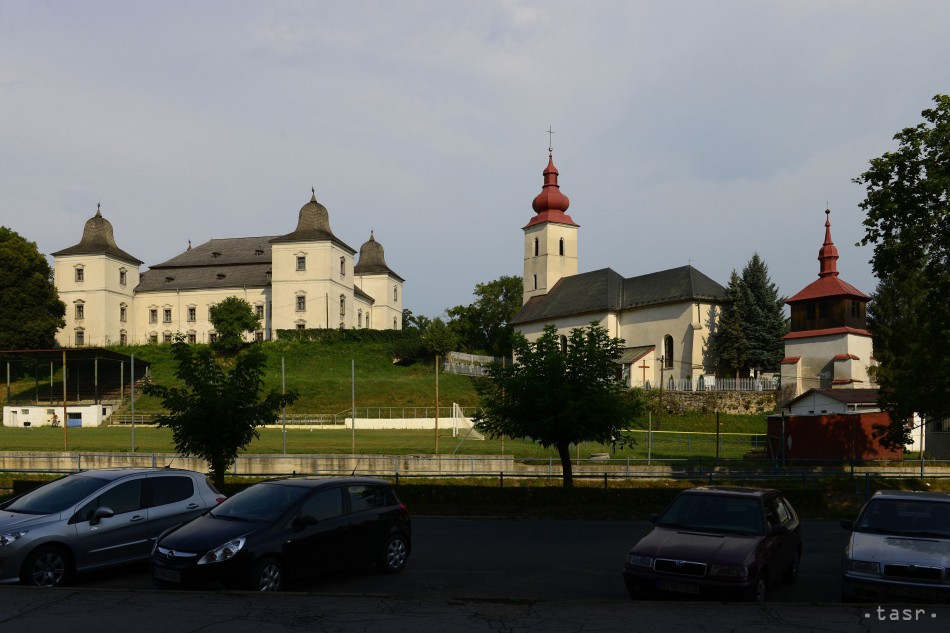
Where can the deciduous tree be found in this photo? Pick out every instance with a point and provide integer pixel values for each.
(216, 411)
(558, 397)
(30, 308)
(231, 318)
(908, 222)
(485, 325)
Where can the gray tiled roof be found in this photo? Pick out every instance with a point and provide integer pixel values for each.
(205, 277)
(605, 290)
(223, 252)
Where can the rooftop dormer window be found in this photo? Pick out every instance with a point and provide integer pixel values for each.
(215, 254)
(220, 276)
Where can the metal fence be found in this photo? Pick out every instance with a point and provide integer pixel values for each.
(704, 383)
(331, 419)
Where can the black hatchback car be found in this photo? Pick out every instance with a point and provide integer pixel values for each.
(277, 531)
(717, 542)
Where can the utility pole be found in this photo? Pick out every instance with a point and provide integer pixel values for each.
(659, 406)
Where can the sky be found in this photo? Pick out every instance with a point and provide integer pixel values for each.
(685, 132)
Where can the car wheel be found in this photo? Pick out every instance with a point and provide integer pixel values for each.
(267, 575)
(394, 555)
(761, 586)
(46, 567)
(791, 574)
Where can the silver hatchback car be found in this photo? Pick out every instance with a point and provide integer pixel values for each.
(94, 519)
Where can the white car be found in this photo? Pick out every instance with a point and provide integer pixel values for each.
(94, 519)
(899, 549)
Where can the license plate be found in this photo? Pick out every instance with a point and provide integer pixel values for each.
(168, 575)
(913, 592)
(678, 587)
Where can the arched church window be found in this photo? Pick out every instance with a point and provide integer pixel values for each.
(535, 247)
(560, 247)
(668, 352)
(535, 282)
(563, 344)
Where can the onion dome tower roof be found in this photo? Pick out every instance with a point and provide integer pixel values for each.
(98, 239)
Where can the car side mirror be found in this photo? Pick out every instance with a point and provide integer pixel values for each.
(848, 525)
(99, 514)
(653, 518)
(304, 521)
(775, 530)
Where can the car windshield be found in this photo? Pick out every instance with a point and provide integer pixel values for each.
(57, 496)
(714, 513)
(906, 517)
(261, 502)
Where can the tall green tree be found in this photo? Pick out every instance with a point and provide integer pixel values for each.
(485, 325)
(559, 397)
(438, 338)
(216, 410)
(231, 318)
(751, 326)
(765, 320)
(908, 222)
(30, 308)
(729, 344)
(412, 321)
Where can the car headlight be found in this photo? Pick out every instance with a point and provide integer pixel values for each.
(10, 537)
(866, 567)
(637, 560)
(223, 553)
(729, 571)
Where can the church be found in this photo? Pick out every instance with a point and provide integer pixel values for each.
(666, 318)
(305, 279)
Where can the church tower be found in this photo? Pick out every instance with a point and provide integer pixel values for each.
(828, 345)
(550, 238)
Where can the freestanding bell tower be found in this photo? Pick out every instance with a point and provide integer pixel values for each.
(550, 238)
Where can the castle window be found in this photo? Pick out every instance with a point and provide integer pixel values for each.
(212, 337)
(123, 277)
(123, 338)
(668, 352)
(153, 315)
(301, 262)
(342, 305)
(80, 337)
(80, 274)
(123, 312)
(80, 311)
(167, 315)
(192, 337)
(167, 337)
(192, 314)
(395, 293)
(359, 318)
(342, 267)
(153, 338)
(394, 323)
(560, 247)
(301, 325)
(259, 311)
(259, 336)
(301, 303)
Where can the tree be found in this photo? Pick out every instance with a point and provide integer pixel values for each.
(231, 319)
(765, 321)
(908, 222)
(751, 326)
(559, 397)
(411, 321)
(729, 345)
(30, 308)
(485, 325)
(217, 410)
(438, 338)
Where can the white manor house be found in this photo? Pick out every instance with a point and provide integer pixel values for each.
(306, 279)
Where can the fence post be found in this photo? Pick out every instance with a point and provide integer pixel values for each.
(605, 480)
(501, 479)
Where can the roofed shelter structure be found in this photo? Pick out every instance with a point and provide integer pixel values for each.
(82, 386)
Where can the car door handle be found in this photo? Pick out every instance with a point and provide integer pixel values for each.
(192, 506)
(136, 518)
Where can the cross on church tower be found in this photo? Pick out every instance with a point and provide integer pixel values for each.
(550, 139)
